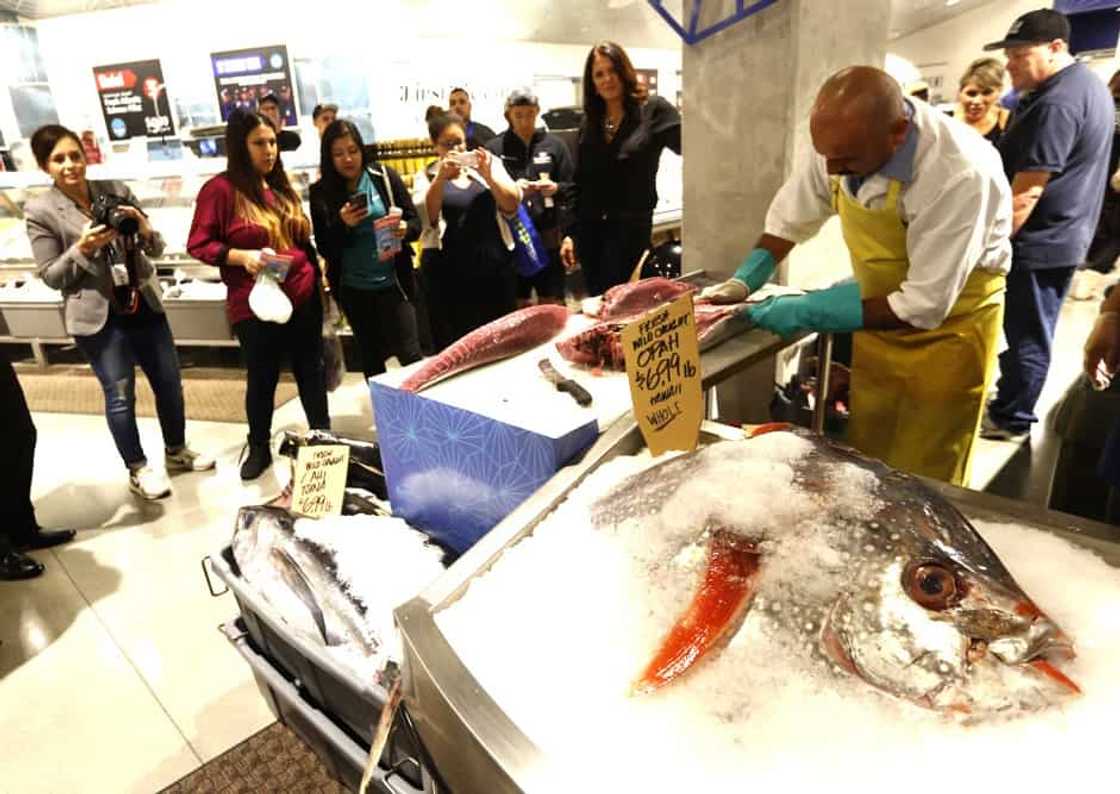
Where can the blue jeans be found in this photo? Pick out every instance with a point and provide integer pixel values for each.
(1034, 299)
(114, 352)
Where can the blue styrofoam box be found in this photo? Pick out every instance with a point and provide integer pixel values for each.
(455, 473)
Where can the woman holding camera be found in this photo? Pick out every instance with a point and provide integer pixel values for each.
(623, 134)
(243, 219)
(467, 261)
(92, 242)
(373, 283)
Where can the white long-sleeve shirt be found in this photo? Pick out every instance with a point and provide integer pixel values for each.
(955, 202)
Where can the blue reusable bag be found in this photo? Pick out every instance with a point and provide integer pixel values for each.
(529, 253)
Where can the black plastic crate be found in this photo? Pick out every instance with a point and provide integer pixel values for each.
(343, 757)
(332, 688)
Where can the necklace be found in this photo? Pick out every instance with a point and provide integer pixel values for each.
(610, 127)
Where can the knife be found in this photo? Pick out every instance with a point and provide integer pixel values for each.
(579, 394)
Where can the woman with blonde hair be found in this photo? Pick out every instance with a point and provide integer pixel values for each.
(243, 217)
(978, 101)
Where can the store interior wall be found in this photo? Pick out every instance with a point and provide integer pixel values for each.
(409, 53)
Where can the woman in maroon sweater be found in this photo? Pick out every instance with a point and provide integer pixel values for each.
(249, 210)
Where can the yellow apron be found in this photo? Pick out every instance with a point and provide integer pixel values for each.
(917, 397)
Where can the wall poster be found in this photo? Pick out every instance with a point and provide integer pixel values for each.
(244, 77)
(134, 100)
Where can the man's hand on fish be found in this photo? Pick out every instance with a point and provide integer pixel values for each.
(836, 309)
(730, 291)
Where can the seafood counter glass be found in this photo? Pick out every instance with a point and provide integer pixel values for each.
(476, 745)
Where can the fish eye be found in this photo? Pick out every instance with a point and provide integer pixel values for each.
(930, 585)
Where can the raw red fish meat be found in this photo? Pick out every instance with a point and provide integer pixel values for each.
(601, 344)
(507, 336)
(638, 297)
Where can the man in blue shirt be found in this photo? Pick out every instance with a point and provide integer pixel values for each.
(1055, 154)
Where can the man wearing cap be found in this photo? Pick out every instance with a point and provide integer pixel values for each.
(1055, 153)
(543, 167)
(286, 140)
(322, 116)
(926, 213)
(478, 134)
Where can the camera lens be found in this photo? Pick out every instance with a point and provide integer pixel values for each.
(124, 224)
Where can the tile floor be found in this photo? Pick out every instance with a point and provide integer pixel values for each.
(113, 676)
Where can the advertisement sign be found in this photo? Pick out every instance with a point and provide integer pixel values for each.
(244, 77)
(134, 100)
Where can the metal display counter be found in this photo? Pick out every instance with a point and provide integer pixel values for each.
(473, 744)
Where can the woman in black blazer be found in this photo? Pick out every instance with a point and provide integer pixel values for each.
(374, 288)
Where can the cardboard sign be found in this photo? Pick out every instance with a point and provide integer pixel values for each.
(663, 364)
(320, 480)
(134, 99)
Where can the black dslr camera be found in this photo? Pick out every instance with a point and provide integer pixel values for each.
(107, 212)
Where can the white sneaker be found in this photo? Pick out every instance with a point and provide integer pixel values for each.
(149, 483)
(186, 459)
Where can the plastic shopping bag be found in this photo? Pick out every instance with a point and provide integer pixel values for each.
(268, 301)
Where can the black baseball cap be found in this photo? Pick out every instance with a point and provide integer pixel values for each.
(1034, 27)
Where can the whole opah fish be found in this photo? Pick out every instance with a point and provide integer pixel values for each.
(601, 344)
(871, 572)
(507, 336)
(298, 578)
(626, 300)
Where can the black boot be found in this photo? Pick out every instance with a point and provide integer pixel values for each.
(15, 565)
(259, 459)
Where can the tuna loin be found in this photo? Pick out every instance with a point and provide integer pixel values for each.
(507, 336)
(629, 299)
(601, 344)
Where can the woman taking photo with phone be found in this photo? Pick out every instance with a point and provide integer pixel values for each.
(243, 219)
(467, 260)
(366, 264)
(112, 302)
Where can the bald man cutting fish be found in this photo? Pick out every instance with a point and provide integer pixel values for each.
(926, 213)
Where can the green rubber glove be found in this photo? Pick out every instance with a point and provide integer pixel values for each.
(835, 309)
(756, 269)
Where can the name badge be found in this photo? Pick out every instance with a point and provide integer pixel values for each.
(120, 275)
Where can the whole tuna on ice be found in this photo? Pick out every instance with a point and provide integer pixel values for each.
(505, 337)
(298, 578)
(865, 568)
(632, 298)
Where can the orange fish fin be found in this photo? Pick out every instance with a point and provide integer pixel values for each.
(723, 598)
(1057, 675)
(753, 431)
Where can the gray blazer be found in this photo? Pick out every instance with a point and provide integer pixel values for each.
(54, 224)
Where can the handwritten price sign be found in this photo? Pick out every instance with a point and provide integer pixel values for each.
(663, 364)
(320, 480)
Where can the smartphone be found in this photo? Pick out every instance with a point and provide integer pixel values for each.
(359, 200)
(466, 159)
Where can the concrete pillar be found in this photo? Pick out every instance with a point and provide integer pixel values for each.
(747, 95)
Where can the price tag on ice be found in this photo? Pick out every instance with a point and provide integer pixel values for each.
(320, 480)
(663, 364)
